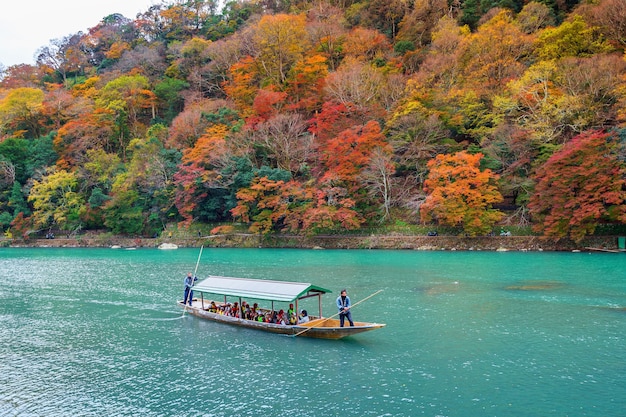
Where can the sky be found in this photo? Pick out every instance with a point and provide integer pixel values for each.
(27, 25)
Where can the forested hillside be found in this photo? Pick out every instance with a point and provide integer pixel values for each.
(317, 116)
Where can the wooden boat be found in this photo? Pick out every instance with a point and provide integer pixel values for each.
(245, 289)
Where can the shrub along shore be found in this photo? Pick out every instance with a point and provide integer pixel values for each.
(390, 241)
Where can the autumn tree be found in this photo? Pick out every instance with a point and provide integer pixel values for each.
(192, 63)
(272, 205)
(185, 19)
(21, 111)
(191, 123)
(345, 156)
(356, 83)
(377, 180)
(147, 60)
(536, 103)
(22, 226)
(243, 84)
(365, 44)
(285, 142)
(417, 134)
(460, 194)
(21, 75)
(59, 105)
(306, 83)
(281, 41)
(326, 29)
(126, 100)
(334, 118)
(495, 53)
(554, 101)
(580, 186)
(56, 201)
(418, 23)
(572, 38)
(535, 16)
(200, 182)
(65, 56)
(105, 42)
(610, 18)
(442, 67)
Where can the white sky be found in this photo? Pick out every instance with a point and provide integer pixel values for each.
(27, 25)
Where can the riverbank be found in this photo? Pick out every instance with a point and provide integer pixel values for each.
(392, 241)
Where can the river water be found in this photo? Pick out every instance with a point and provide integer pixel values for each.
(96, 332)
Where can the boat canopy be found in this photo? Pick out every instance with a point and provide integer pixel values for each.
(258, 288)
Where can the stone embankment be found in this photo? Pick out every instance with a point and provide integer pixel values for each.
(395, 241)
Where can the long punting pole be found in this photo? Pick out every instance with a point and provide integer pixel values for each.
(335, 315)
(194, 275)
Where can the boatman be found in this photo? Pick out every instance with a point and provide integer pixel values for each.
(189, 280)
(343, 304)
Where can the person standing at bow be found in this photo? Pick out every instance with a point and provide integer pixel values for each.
(343, 304)
(189, 280)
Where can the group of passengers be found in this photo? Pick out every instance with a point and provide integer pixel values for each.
(254, 313)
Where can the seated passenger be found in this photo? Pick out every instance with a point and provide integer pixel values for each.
(291, 315)
(246, 311)
(213, 307)
(226, 309)
(304, 317)
(253, 312)
(280, 318)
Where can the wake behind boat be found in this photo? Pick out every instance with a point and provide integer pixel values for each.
(244, 289)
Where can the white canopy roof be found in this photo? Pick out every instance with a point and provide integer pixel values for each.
(257, 288)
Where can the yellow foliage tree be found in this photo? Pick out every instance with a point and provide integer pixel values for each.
(20, 110)
(281, 41)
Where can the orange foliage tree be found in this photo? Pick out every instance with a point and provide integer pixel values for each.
(243, 84)
(345, 156)
(200, 171)
(290, 206)
(460, 194)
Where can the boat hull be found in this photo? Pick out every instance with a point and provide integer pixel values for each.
(323, 328)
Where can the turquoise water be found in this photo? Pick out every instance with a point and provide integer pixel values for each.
(96, 332)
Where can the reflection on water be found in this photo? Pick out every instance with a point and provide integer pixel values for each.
(88, 332)
(536, 286)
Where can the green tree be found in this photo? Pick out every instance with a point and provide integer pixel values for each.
(168, 93)
(17, 202)
(41, 154)
(124, 212)
(15, 151)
